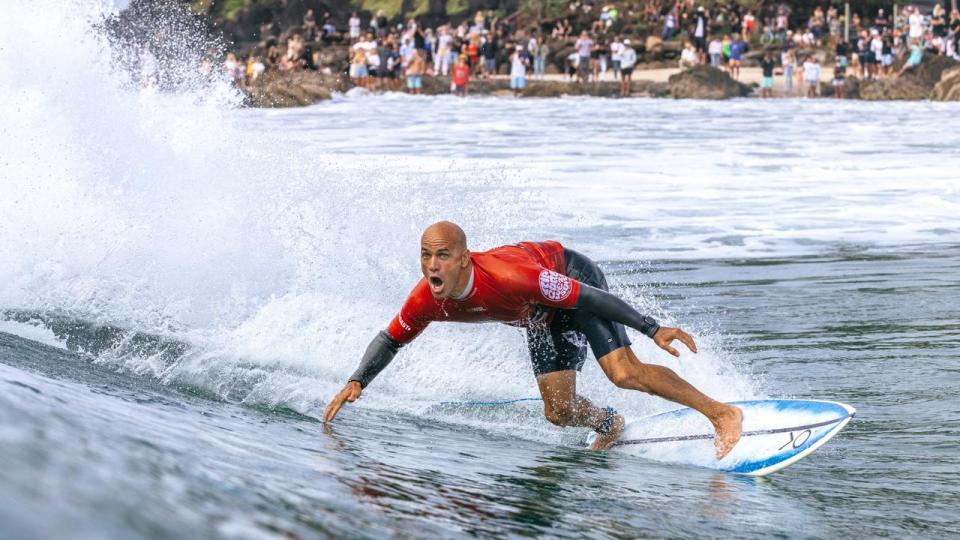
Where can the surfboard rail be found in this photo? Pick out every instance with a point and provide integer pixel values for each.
(762, 449)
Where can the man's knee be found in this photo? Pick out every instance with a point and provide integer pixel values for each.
(559, 416)
(627, 371)
(632, 378)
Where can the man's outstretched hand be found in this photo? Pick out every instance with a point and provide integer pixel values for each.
(349, 393)
(665, 336)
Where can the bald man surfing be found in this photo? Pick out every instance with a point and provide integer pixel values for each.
(561, 298)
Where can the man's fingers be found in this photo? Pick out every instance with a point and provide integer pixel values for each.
(332, 409)
(350, 393)
(672, 351)
(688, 341)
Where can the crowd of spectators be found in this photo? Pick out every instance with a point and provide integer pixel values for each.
(387, 56)
(866, 47)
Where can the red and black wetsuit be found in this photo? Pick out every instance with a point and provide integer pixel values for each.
(556, 293)
(510, 284)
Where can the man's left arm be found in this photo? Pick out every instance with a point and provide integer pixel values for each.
(610, 307)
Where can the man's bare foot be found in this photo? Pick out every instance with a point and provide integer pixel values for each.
(728, 425)
(602, 442)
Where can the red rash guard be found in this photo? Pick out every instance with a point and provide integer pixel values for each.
(509, 283)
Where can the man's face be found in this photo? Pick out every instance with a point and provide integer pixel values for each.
(442, 261)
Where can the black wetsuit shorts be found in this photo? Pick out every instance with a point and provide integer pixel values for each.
(562, 344)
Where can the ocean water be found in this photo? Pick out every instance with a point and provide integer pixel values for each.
(184, 284)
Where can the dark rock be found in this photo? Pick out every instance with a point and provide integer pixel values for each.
(948, 89)
(294, 89)
(557, 88)
(900, 88)
(851, 87)
(705, 82)
(930, 70)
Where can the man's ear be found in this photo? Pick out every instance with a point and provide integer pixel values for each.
(465, 260)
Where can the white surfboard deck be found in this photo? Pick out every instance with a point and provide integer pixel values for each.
(776, 433)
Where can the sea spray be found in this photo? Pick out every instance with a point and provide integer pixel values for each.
(153, 210)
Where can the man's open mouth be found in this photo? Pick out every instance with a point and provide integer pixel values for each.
(436, 282)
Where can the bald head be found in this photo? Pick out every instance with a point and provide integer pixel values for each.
(446, 232)
(445, 259)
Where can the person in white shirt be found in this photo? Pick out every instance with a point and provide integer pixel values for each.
(628, 59)
(441, 60)
(811, 75)
(616, 48)
(354, 24)
(916, 23)
(688, 57)
(788, 63)
(715, 49)
(532, 46)
(518, 70)
(876, 54)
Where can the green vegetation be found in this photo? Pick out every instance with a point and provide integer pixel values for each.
(544, 9)
(391, 8)
(201, 6)
(420, 7)
(230, 8)
(457, 6)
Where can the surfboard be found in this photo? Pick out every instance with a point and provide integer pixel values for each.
(776, 433)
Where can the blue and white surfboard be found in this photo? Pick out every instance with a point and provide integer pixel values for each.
(776, 433)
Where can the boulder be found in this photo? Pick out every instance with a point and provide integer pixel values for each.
(900, 88)
(930, 70)
(705, 82)
(851, 87)
(948, 89)
(558, 88)
(653, 44)
(293, 88)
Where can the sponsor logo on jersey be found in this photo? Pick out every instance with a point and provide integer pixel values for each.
(477, 309)
(554, 286)
(403, 323)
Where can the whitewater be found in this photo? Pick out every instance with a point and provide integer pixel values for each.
(184, 284)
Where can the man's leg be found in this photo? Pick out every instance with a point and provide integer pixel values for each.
(563, 407)
(625, 370)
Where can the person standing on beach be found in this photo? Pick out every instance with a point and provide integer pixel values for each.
(358, 67)
(572, 65)
(354, 25)
(842, 51)
(876, 54)
(584, 46)
(788, 62)
(839, 74)
(628, 59)
(415, 70)
(488, 51)
(461, 76)
(767, 64)
(616, 48)
(811, 75)
(441, 62)
(715, 50)
(669, 25)
(886, 60)
(518, 70)
(700, 26)
(540, 59)
(737, 48)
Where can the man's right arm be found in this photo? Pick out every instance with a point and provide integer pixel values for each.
(412, 319)
(378, 355)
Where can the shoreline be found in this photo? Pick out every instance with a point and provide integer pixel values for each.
(294, 89)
